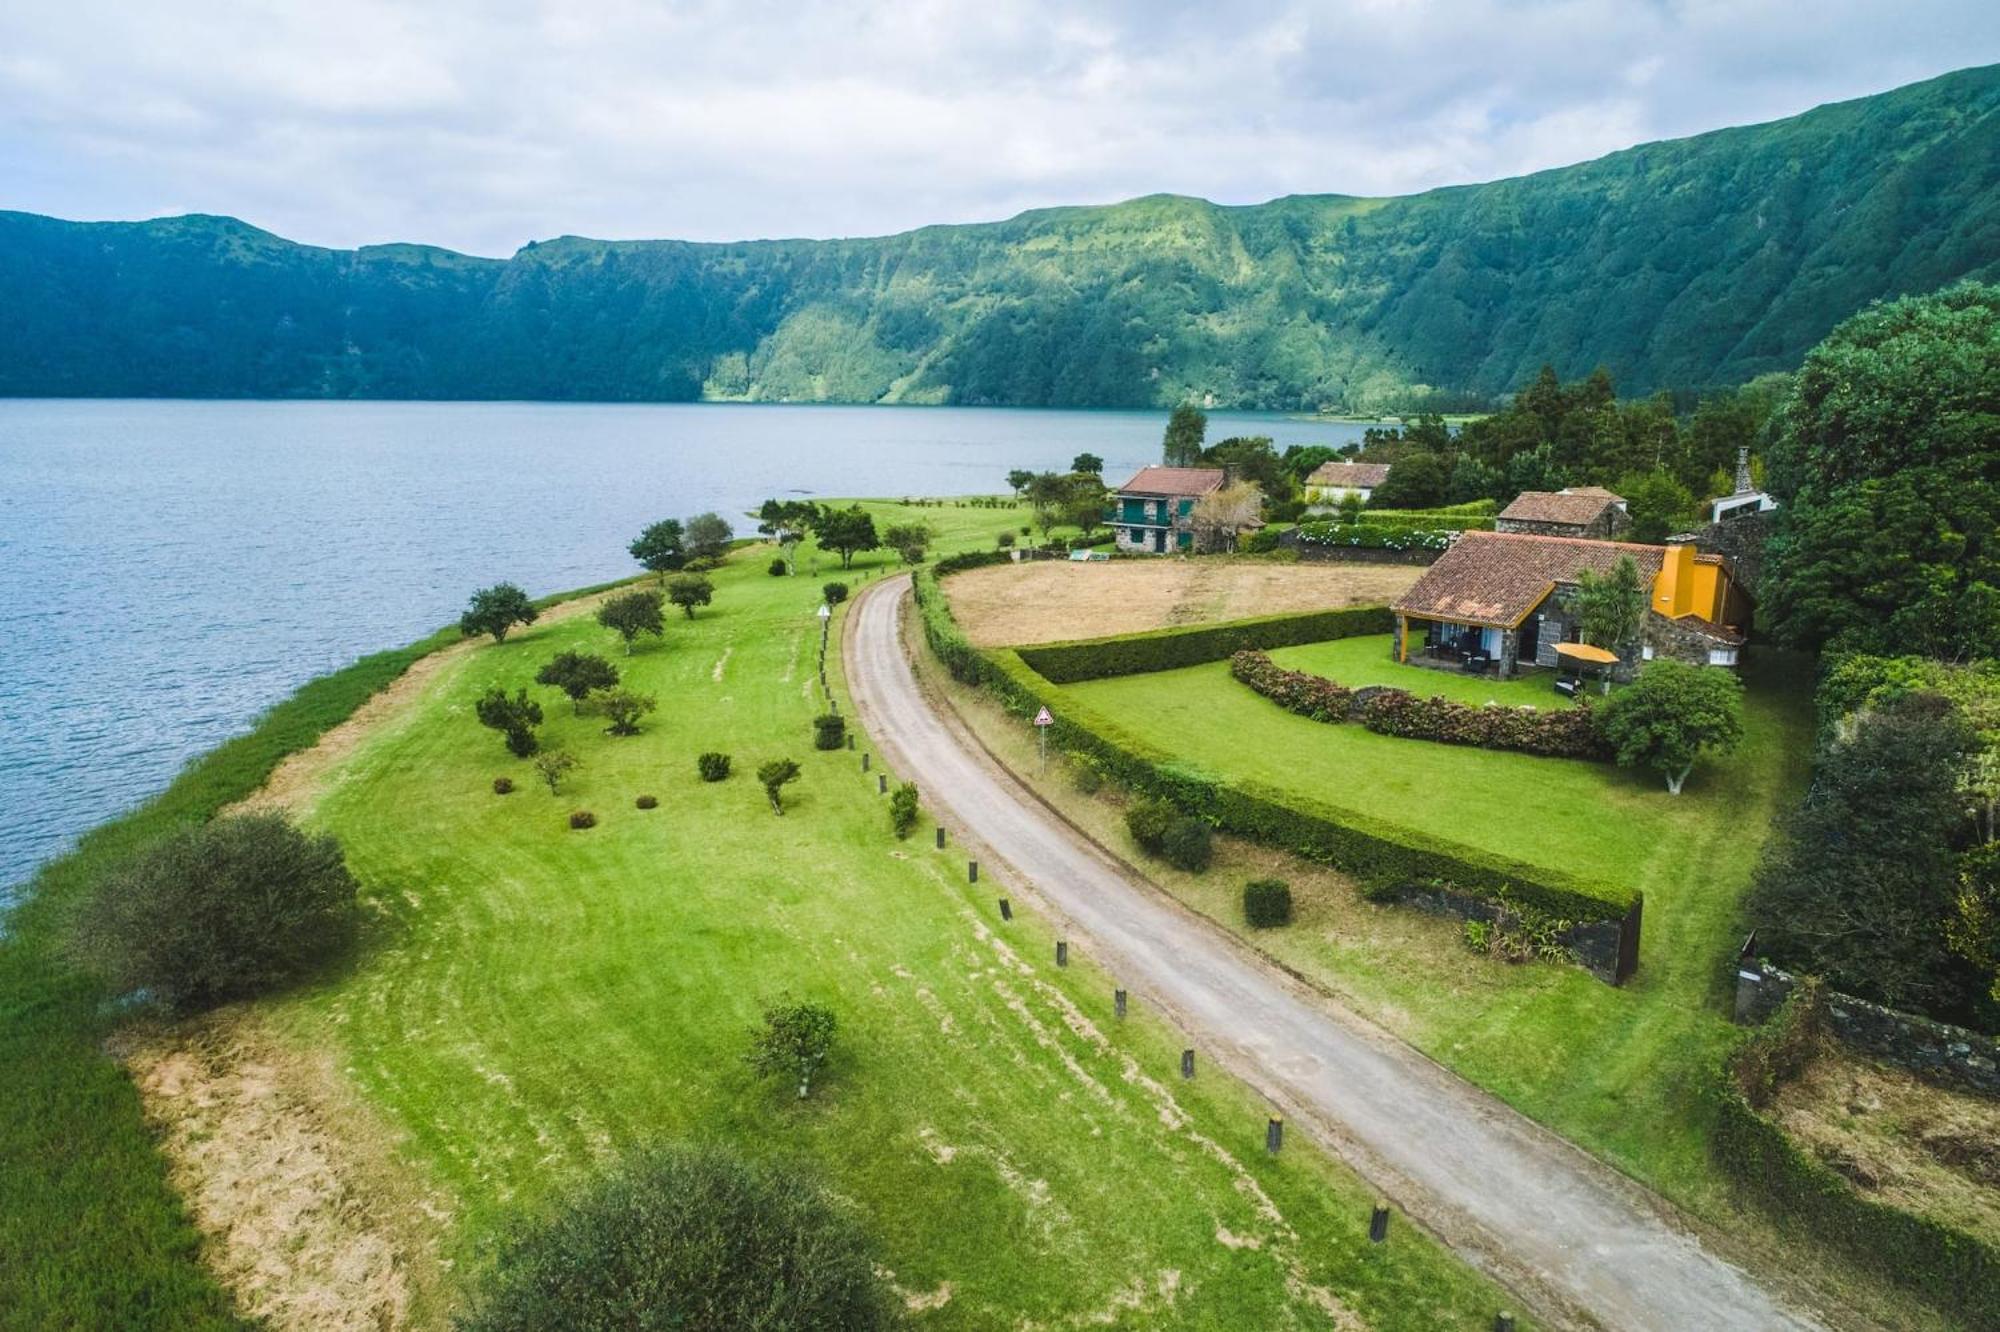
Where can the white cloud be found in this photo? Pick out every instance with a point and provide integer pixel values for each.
(483, 125)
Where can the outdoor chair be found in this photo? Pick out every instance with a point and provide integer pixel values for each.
(1567, 685)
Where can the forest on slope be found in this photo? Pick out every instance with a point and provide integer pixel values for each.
(1679, 265)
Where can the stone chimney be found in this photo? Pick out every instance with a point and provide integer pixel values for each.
(1743, 482)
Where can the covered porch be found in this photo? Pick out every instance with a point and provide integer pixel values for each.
(1465, 646)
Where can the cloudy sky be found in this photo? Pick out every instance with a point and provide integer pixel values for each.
(483, 125)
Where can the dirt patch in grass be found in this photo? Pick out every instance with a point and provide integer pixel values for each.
(1899, 1139)
(308, 1219)
(1007, 605)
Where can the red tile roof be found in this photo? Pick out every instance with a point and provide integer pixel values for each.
(1361, 476)
(1576, 507)
(1173, 481)
(1496, 578)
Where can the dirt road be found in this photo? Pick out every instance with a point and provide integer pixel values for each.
(1578, 1242)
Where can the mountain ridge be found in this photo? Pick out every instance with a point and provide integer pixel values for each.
(1681, 263)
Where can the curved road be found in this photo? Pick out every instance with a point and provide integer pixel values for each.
(1581, 1243)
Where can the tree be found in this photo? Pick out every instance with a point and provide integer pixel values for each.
(631, 614)
(708, 536)
(223, 910)
(908, 540)
(495, 610)
(1887, 460)
(1088, 464)
(846, 532)
(1611, 607)
(688, 591)
(794, 1043)
(661, 547)
(515, 717)
(555, 765)
(903, 810)
(1659, 505)
(1861, 884)
(1083, 502)
(1018, 479)
(1221, 514)
(1415, 481)
(623, 708)
(1048, 492)
(834, 593)
(1186, 429)
(773, 777)
(692, 1239)
(1972, 931)
(786, 522)
(577, 674)
(1251, 458)
(1672, 715)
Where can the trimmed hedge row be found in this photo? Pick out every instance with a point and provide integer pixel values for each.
(1369, 536)
(1958, 1272)
(1555, 733)
(1387, 859)
(1170, 649)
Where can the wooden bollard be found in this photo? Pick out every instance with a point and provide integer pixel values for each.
(1006, 909)
(940, 837)
(881, 783)
(850, 742)
(864, 762)
(1062, 952)
(1274, 1134)
(1378, 1224)
(1118, 1001)
(1187, 1063)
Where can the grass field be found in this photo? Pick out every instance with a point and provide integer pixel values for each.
(534, 999)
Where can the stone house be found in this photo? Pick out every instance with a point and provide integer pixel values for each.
(1154, 511)
(1583, 511)
(1503, 601)
(1330, 483)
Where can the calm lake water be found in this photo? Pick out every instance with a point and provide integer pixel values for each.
(168, 570)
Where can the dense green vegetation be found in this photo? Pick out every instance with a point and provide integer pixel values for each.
(1697, 262)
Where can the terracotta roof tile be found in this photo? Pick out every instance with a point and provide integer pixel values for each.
(1550, 506)
(1496, 578)
(1364, 476)
(1173, 481)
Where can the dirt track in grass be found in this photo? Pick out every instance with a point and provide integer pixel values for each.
(1053, 600)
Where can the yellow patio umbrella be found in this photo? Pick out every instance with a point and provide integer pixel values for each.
(1592, 654)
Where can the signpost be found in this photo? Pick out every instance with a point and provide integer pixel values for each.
(1043, 720)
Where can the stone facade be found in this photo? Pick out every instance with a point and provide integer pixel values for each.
(1605, 527)
(1694, 644)
(1936, 1050)
(1741, 541)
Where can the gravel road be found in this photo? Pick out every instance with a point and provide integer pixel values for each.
(1580, 1244)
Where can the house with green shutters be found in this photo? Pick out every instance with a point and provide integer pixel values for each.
(1154, 511)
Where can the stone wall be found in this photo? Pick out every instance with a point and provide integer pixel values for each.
(1742, 541)
(1559, 618)
(1607, 949)
(1935, 1050)
(1604, 527)
(1670, 638)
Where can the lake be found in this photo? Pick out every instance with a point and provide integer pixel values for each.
(168, 570)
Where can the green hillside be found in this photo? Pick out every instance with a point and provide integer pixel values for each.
(1683, 264)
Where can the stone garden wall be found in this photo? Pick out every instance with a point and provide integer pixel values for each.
(1935, 1050)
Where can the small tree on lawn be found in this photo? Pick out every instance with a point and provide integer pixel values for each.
(1186, 429)
(1673, 714)
(793, 1043)
(495, 610)
(578, 674)
(1087, 463)
(631, 614)
(773, 776)
(908, 540)
(708, 535)
(661, 547)
(903, 810)
(554, 767)
(623, 708)
(835, 593)
(688, 591)
(1019, 479)
(847, 532)
(1610, 607)
(515, 716)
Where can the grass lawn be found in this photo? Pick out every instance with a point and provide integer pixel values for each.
(534, 999)
(1356, 662)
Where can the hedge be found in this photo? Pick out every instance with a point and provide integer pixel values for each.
(1387, 859)
(1554, 733)
(1170, 649)
(1958, 1272)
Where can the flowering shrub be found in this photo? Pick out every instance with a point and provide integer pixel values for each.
(1556, 733)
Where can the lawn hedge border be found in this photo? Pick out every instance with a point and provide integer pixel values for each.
(1171, 649)
(1958, 1272)
(1388, 860)
(95, 1234)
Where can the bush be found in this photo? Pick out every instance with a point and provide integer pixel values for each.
(1004, 540)
(702, 564)
(1261, 542)
(777, 568)
(1148, 820)
(835, 593)
(903, 810)
(582, 818)
(503, 786)
(1188, 845)
(1267, 903)
(712, 766)
(224, 910)
(829, 731)
(647, 802)
(1085, 775)
(688, 1238)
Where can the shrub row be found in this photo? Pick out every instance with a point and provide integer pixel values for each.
(1958, 1272)
(1170, 649)
(1378, 536)
(1555, 733)
(1386, 859)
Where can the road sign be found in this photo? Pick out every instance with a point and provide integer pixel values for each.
(825, 611)
(1043, 718)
